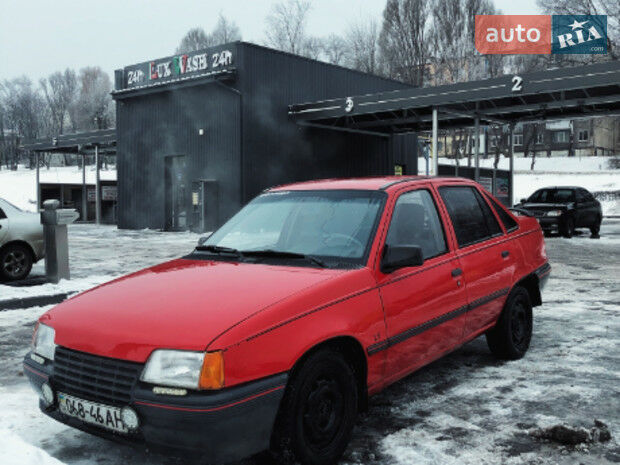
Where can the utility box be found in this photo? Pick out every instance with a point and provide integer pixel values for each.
(55, 221)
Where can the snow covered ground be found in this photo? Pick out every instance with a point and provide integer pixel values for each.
(467, 408)
(100, 253)
(19, 187)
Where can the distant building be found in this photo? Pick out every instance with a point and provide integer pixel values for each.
(585, 137)
(598, 136)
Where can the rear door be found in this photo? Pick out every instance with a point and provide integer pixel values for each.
(424, 306)
(588, 208)
(486, 255)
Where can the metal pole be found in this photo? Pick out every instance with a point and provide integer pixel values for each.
(434, 148)
(97, 188)
(477, 141)
(38, 183)
(84, 193)
(511, 168)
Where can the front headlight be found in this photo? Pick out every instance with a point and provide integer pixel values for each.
(182, 368)
(43, 341)
(554, 213)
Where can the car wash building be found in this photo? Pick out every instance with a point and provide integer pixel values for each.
(200, 134)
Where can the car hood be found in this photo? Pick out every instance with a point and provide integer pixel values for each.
(182, 304)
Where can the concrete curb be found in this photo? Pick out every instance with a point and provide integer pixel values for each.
(36, 301)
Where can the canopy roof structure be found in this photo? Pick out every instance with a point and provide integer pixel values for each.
(554, 94)
(80, 142)
(98, 143)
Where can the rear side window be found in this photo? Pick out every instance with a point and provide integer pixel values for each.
(586, 196)
(416, 222)
(2, 214)
(471, 217)
(509, 222)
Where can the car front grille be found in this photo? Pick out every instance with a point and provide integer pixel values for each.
(95, 378)
(538, 213)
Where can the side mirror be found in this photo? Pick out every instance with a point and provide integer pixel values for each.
(401, 256)
(523, 200)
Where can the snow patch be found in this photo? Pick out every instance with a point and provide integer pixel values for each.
(15, 451)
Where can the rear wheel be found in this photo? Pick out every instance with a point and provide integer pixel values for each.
(595, 229)
(511, 336)
(318, 412)
(568, 228)
(15, 262)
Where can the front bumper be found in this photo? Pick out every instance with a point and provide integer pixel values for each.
(218, 426)
(550, 223)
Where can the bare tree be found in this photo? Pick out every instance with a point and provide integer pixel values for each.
(60, 91)
(286, 26)
(335, 49)
(23, 110)
(94, 107)
(404, 40)
(363, 46)
(499, 142)
(195, 39)
(225, 31)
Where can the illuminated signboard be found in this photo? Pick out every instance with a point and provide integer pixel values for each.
(183, 66)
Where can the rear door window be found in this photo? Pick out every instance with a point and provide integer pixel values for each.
(471, 217)
(509, 222)
(415, 221)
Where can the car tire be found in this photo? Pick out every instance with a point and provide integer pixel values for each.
(510, 338)
(15, 262)
(318, 411)
(595, 229)
(568, 228)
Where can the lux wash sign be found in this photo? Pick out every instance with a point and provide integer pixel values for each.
(541, 34)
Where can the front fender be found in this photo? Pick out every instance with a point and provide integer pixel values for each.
(274, 340)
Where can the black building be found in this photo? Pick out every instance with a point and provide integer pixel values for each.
(198, 135)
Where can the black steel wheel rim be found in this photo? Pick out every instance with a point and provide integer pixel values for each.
(519, 325)
(323, 412)
(14, 263)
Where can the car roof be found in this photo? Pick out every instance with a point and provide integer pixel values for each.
(378, 183)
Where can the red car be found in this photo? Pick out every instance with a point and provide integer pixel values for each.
(274, 332)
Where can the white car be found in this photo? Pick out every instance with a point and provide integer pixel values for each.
(21, 241)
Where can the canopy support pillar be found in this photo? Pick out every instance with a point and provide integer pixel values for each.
(435, 154)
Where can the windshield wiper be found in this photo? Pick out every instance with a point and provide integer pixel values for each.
(284, 254)
(219, 249)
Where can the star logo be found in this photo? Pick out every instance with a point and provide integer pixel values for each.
(577, 25)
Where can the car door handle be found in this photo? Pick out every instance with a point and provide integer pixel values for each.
(505, 254)
(456, 272)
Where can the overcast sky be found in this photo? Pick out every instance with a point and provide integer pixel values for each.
(38, 37)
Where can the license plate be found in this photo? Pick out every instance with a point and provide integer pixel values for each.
(92, 412)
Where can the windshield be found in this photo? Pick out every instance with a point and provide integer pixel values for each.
(8, 205)
(553, 196)
(334, 225)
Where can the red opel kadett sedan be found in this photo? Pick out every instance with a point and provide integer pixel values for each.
(273, 332)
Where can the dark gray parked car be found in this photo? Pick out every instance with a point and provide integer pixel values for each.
(563, 209)
(21, 241)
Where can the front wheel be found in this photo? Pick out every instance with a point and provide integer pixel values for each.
(568, 228)
(318, 411)
(510, 338)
